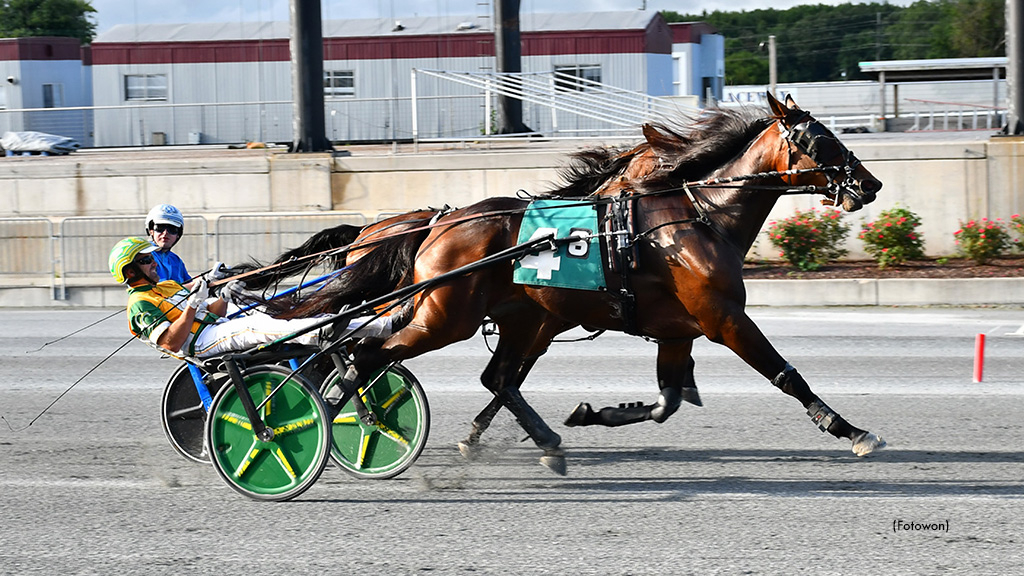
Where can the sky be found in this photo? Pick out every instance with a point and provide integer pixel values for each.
(113, 12)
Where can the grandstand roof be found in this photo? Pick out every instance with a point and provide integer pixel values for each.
(937, 68)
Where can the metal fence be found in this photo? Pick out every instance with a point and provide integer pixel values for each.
(77, 249)
(26, 247)
(241, 237)
(85, 242)
(938, 115)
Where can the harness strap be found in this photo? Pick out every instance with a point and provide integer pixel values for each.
(623, 255)
(702, 214)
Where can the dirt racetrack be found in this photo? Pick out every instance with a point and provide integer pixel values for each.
(744, 485)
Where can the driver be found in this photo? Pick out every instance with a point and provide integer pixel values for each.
(183, 323)
(165, 226)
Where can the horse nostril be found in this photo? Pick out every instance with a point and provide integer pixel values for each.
(870, 185)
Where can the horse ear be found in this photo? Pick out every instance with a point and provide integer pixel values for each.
(658, 140)
(790, 103)
(779, 109)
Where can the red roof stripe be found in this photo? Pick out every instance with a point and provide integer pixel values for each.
(40, 48)
(374, 48)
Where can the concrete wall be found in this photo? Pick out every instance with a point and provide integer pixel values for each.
(942, 180)
(131, 183)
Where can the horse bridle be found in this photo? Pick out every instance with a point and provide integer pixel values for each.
(813, 139)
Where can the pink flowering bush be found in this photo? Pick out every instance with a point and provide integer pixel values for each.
(892, 239)
(811, 238)
(1017, 227)
(981, 240)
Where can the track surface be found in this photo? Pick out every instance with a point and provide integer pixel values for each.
(744, 485)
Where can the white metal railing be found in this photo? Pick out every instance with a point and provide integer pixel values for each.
(35, 250)
(264, 236)
(84, 243)
(612, 110)
(939, 115)
(838, 123)
(158, 123)
(26, 247)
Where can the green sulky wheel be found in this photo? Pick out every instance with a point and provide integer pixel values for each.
(293, 460)
(392, 444)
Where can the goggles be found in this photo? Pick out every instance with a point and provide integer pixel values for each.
(168, 228)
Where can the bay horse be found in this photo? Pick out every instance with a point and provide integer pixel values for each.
(698, 199)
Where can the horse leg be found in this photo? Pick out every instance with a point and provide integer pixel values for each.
(468, 447)
(675, 380)
(543, 436)
(744, 338)
(432, 328)
(508, 368)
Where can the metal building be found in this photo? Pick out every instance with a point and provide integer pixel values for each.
(231, 82)
(39, 75)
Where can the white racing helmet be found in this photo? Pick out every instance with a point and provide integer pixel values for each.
(165, 214)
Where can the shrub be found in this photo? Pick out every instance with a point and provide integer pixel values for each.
(982, 240)
(810, 238)
(892, 239)
(1017, 227)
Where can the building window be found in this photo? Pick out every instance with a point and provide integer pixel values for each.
(53, 95)
(576, 77)
(145, 87)
(339, 83)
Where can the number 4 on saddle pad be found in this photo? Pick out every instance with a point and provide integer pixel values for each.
(575, 264)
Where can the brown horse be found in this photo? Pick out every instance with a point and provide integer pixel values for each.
(698, 200)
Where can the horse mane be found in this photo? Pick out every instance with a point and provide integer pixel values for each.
(589, 169)
(697, 149)
(715, 139)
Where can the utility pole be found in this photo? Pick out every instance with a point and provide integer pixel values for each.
(878, 36)
(773, 74)
(508, 60)
(1014, 67)
(307, 50)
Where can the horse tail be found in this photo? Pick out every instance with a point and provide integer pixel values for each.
(294, 262)
(382, 270)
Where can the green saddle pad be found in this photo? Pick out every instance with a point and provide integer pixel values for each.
(576, 264)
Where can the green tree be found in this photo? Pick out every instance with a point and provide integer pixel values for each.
(743, 67)
(979, 28)
(922, 30)
(68, 18)
(820, 42)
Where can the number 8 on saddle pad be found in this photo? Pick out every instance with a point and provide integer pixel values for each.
(576, 264)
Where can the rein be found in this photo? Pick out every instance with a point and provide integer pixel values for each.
(434, 223)
(703, 216)
(803, 136)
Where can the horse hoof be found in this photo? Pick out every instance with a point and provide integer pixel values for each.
(867, 443)
(692, 396)
(469, 451)
(579, 414)
(554, 461)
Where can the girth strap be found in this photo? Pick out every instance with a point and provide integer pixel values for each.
(620, 228)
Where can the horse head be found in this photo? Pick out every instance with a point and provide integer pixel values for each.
(811, 145)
